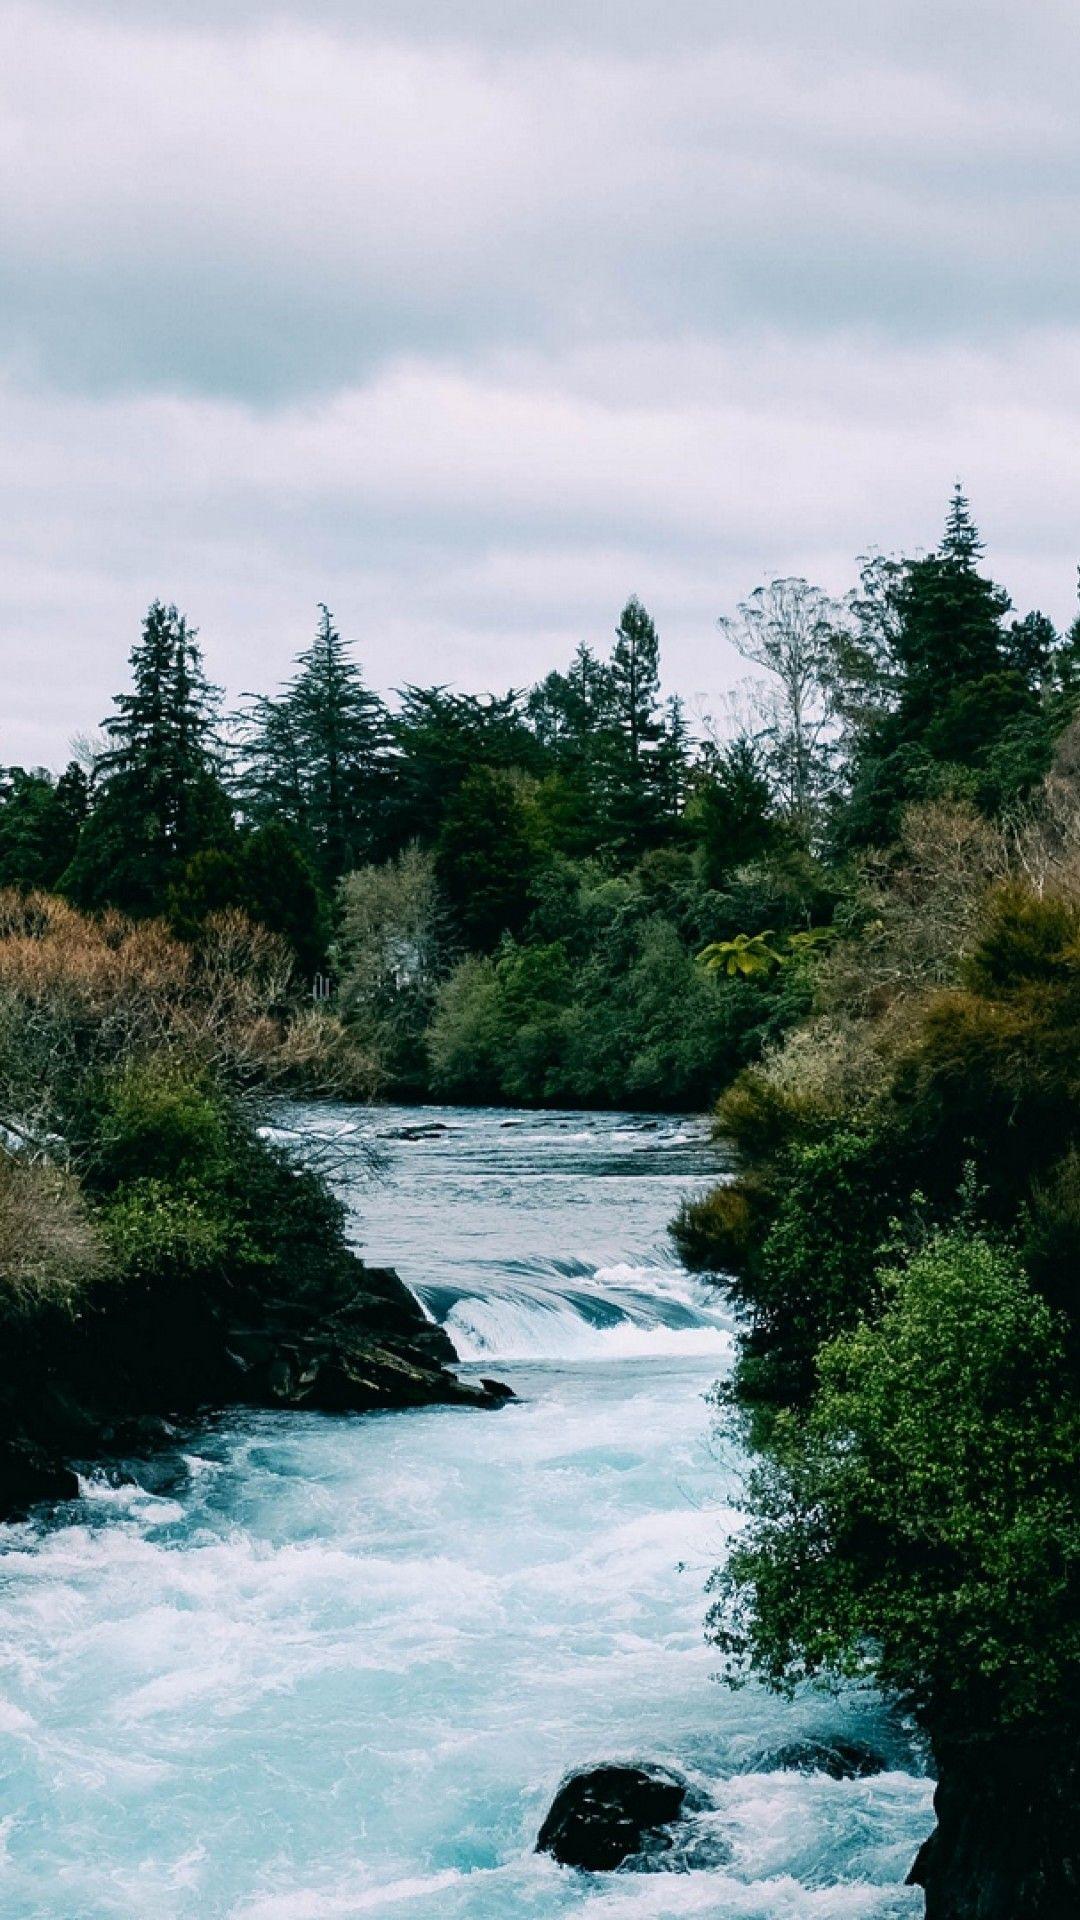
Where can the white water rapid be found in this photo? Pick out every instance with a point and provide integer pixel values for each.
(326, 1667)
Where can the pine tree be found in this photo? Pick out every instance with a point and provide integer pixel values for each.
(632, 802)
(673, 759)
(336, 731)
(567, 710)
(158, 798)
(635, 682)
(961, 544)
(950, 615)
(964, 709)
(269, 781)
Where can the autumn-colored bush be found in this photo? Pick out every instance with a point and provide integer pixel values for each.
(50, 1248)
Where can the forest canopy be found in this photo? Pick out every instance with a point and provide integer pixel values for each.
(509, 894)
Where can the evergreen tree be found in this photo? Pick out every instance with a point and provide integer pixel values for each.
(635, 685)
(334, 737)
(568, 710)
(162, 740)
(487, 858)
(967, 711)
(729, 811)
(39, 824)
(627, 754)
(949, 616)
(270, 781)
(440, 738)
(158, 798)
(673, 760)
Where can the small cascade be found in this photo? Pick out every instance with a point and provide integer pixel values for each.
(610, 1313)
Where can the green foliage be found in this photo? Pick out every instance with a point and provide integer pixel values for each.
(39, 825)
(262, 873)
(158, 799)
(160, 1234)
(486, 857)
(921, 1525)
(748, 954)
(969, 707)
(388, 957)
(315, 762)
(714, 1233)
(467, 1033)
(154, 1121)
(729, 811)
(636, 1023)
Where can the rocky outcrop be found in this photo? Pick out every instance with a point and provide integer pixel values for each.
(358, 1342)
(603, 1817)
(371, 1349)
(1007, 1841)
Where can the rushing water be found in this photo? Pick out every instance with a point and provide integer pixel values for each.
(337, 1666)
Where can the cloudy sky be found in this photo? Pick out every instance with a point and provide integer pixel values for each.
(470, 320)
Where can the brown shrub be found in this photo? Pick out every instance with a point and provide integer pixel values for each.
(49, 1250)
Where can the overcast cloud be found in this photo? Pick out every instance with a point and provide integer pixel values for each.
(471, 321)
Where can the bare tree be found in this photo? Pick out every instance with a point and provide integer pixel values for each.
(790, 629)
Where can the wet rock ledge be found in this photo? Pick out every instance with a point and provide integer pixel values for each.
(115, 1382)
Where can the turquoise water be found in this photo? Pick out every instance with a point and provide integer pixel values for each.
(333, 1667)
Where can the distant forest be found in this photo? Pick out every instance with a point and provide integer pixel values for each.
(569, 894)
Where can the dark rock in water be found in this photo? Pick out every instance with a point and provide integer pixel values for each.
(498, 1389)
(430, 1130)
(1007, 1841)
(840, 1759)
(371, 1347)
(604, 1816)
(29, 1475)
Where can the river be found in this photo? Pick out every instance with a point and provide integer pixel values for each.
(325, 1667)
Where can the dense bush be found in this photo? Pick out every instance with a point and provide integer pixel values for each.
(921, 1524)
(902, 1237)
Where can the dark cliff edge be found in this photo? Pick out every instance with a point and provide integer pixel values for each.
(1007, 1841)
(114, 1379)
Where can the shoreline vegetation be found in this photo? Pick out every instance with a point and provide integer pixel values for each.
(160, 1252)
(851, 917)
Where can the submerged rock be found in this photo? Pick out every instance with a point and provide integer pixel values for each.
(840, 1759)
(602, 1817)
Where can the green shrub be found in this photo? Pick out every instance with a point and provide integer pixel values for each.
(715, 1233)
(160, 1234)
(921, 1525)
(156, 1121)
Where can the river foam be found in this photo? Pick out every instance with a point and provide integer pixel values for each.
(337, 1666)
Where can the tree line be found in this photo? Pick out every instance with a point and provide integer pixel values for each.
(512, 889)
